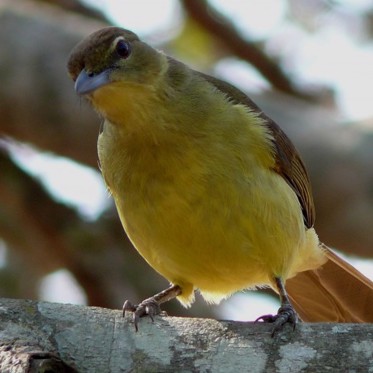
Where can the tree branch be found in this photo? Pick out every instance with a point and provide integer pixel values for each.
(101, 340)
(223, 30)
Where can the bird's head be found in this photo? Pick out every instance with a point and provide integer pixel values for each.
(114, 56)
(117, 73)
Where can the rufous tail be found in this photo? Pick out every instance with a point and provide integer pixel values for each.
(335, 292)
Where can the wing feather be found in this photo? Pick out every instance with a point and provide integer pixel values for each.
(288, 161)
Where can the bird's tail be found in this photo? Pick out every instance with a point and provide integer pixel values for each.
(335, 292)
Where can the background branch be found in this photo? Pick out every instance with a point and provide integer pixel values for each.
(225, 32)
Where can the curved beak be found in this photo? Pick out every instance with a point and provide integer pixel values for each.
(85, 83)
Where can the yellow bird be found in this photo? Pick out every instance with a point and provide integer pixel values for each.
(210, 191)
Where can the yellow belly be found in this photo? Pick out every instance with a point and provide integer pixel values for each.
(218, 240)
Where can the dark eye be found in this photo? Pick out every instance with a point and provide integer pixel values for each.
(123, 49)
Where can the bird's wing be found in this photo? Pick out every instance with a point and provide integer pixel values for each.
(288, 162)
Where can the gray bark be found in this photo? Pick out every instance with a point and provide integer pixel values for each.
(65, 338)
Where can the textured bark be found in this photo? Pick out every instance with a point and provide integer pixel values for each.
(100, 340)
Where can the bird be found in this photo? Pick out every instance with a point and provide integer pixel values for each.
(210, 191)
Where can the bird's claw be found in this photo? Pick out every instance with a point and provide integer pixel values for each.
(149, 307)
(285, 314)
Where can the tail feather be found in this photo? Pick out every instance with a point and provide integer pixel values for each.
(335, 292)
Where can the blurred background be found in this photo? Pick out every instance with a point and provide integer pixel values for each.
(307, 63)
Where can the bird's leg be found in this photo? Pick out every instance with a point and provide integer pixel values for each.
(285, 314)
(151, 306)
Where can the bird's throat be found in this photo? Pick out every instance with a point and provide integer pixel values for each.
(124, 104)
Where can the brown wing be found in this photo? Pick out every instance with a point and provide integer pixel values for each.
(288, 162)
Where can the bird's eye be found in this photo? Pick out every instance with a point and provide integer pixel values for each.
(123, 49)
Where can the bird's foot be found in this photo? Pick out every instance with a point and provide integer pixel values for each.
(285, 314)
(149, 307)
